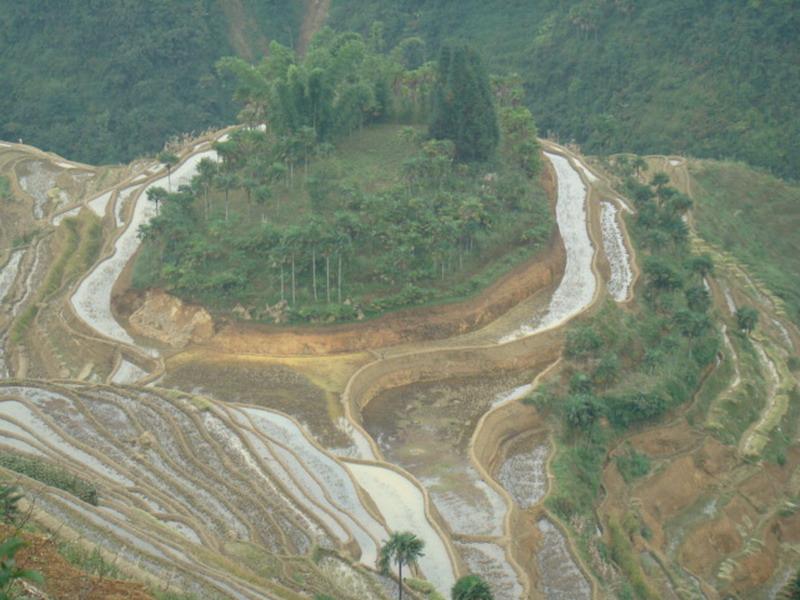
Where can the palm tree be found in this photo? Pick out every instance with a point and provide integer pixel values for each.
(471, 587)
(169, 159)
(404, 548)
(640, 165)
(206, 173)
(157, 195)
(227, 182)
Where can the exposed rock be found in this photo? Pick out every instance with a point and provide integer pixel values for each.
(170, 321)
(279, 313)
(241, 312)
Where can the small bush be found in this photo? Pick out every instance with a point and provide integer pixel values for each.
(90, 561)
(633, 465)
(50, 475)
(582, 342)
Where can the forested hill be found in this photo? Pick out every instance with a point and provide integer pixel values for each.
(714, 78)
(104, 81)
(107, 80)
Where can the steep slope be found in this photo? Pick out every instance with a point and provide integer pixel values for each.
(110, 82)
(701, 78)
(755, 217)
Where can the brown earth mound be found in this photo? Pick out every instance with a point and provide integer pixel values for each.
(170, 321)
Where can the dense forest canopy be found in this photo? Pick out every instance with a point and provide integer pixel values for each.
(716, 78)
(333, 201)
(108, 81)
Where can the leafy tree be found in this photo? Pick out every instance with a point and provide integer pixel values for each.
(463, 108)
(661, 276)
(702, 265)
(169, 160)
(639, 164)
(791, 591)
(698, 298)
(746, 318)
(402, 548)
(471, 587)
(581, 412)
(156, 195)
(10, 573)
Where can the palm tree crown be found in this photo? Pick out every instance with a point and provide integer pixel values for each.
(403, 548)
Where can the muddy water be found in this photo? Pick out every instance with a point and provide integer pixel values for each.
(577, 287)
(37, 178)
(92, 299)
(523, 472)
(426, 428)
(619, 283)
(402, 506)
(271, 386)
(489, 561)
(560, 578)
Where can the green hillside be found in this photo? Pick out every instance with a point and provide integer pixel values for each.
(755, 217)
(709, 79)
(107, 81)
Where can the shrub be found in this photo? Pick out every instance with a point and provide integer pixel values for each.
(50, 475)
(632, 465)
(582, 342)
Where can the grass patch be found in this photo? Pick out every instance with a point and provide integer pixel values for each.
(783, 436)
(78, 241)
(632, 464)
(730, 415)
(89, 561)
(716, 383)
(736, 208)
(51, 475)
(5, 188)
(578, 471)
(623, 554)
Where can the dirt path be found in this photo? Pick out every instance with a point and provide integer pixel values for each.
(314, 19)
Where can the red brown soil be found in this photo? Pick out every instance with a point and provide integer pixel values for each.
(62, 581)
(170, 321)
(755, 569)
(682, 482)
(665, 442)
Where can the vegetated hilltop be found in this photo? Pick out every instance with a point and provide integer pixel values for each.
(756, 218)
(335, 200)
(107, 81)
(710, 79)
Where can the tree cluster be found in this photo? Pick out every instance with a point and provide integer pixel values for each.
(402, 244)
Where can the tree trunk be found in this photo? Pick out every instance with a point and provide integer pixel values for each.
(294, 296)
(340, 279)
(283, 296)
(400, 578)
(227, 192)
(314, 271)
(328, 278)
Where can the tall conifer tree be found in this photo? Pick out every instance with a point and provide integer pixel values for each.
(463, 108)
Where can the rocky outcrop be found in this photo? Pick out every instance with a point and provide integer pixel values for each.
(165, 318)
